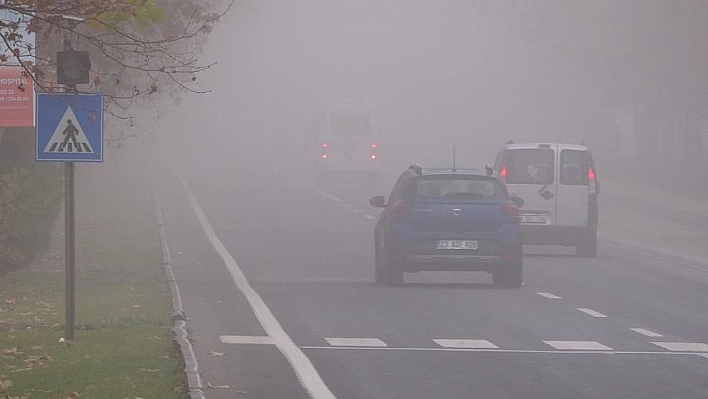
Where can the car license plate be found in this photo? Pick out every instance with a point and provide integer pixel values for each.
(534, 219)
(457, 244)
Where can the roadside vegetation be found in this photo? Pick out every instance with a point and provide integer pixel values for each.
(123, 346)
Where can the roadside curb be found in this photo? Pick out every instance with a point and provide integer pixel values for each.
(663, 254)
(195, 386)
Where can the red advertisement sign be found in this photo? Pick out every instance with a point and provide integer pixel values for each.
(16, 97)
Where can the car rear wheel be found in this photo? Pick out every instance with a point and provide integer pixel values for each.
(509, 275)
(378, 264)
(587, 247)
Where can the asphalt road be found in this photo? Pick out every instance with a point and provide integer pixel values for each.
(304, 319)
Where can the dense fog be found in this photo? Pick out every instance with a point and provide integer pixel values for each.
(623, 77)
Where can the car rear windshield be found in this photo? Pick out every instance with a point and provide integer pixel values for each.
(574, 167)
(527, 166)
(457, 188)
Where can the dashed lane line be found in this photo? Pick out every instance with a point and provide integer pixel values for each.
(591, 312)
(548, 295)
(332, 197)
(646, 332)
(305, 371)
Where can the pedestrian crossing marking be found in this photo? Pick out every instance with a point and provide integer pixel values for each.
(578, 345)
(465, 343)
(683, 346)
(69, 137)
(363, 342)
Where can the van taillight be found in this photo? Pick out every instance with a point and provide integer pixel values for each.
(502, 174)
(373, 152)
(510, 211)
(400, 210)
(592, 184)
(324, 151)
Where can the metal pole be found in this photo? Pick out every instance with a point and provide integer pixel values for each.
(69, 250)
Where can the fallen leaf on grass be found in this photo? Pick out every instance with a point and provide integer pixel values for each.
(217, 386)
(5, 384)
(216, 353)
(11, 301)
(150, 370)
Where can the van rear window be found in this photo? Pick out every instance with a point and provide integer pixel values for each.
(574, 166)
(527, 166)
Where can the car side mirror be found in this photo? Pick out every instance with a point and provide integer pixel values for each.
(377, 202)
(518, 201)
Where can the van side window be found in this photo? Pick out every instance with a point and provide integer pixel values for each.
(574, 166)
(528, 166)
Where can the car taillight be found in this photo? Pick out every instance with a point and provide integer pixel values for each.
(592, 184)
(502, 174)
(373, 152)
(400, 210)
(324, 151)
(510, 211)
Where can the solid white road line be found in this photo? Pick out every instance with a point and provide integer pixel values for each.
(525, 351)
(578, 345)
(646, 333)
(370, 217)
(351, 342)
(465, 343)
(548, 295)
(683, 346)
(247, 339)
(703, 355)
(306, 373)
(591, 312)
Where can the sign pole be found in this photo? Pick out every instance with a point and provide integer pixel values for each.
(70, 250)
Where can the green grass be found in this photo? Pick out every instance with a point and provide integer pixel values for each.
(123, 347)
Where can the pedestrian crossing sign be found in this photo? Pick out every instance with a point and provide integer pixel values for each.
(69, 127)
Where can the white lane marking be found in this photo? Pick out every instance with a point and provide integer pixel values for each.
(548, 295)
(306, 373)
(366, 342)
(683, 346)
(646, 333)
(578, 345)
(247, 339)
(703, 355)
(591, 312)
(465, 343)
(311, 187)
(330, 196)
(525, 351)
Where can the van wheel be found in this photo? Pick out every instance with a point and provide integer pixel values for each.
(587, 247)
(509, 275)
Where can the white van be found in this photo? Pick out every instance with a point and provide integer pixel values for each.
(559, 186)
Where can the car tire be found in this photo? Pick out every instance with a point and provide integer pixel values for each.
(509, 275)
(587, 247)
(378, 263)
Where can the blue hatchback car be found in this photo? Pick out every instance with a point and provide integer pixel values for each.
(448, 220)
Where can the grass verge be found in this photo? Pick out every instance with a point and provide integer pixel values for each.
(123, 347)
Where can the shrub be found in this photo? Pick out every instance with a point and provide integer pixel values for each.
(29, 202)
